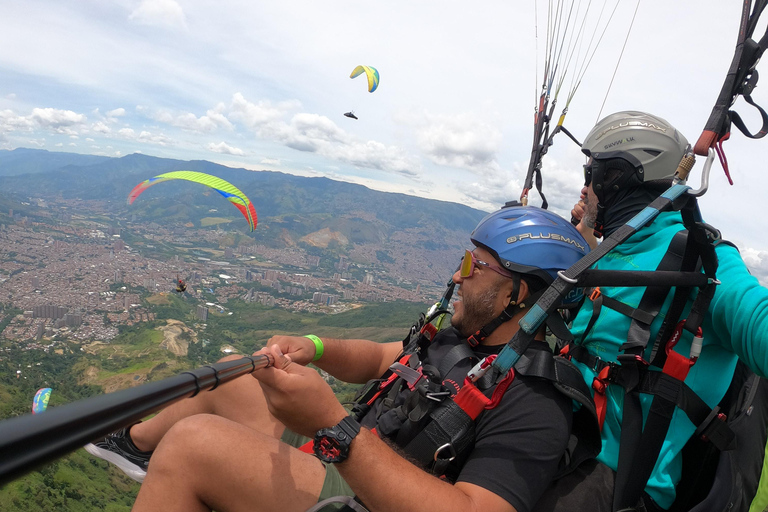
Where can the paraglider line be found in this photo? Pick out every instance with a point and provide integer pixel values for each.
(637, 6)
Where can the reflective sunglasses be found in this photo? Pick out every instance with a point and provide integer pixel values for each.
(469, 262)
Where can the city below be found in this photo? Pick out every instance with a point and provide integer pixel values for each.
(75, 277)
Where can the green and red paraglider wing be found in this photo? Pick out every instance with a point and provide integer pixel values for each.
(226, 189)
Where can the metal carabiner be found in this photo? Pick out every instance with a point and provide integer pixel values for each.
(704, 175)
(696, 343)
(480, 368)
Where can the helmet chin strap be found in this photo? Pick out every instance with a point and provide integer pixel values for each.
(506, 315)
(599, 220)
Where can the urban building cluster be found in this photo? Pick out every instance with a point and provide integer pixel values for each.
(79, 280)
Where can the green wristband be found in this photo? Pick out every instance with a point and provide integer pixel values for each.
(318, 346)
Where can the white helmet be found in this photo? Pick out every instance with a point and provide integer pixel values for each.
(649, 143)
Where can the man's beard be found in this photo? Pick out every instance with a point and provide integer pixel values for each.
(477, 311)
(590, 213)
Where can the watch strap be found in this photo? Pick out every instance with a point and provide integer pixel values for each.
(350, 426)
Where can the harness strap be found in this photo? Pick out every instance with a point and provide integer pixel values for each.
(451, 429)
(640, 444)
(569, 279)
(667, 386)
(457, 354)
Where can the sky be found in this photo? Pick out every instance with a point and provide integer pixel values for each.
(264, 86)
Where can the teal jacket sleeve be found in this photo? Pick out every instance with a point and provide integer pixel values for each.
(739, 311)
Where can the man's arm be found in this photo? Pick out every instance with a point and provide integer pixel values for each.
(355, 361)
(303, 402)
(740, 310)
(385, 482)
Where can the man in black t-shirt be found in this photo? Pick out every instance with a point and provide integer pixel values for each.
(233, 459)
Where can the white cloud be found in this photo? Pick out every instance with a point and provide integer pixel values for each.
(49, 119)
(223, 147)
(492, 189)
(757, 263)
(159, 13)
(212, 120)
(461, 141)
(118, 112)
(100, 127)
(10, 121)
(160, 139)
(257, 115)
(307, 132)
(318, 134)
(127, 133)
(57, 119)
(270, 161)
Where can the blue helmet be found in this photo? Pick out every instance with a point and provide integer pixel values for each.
(532, 241)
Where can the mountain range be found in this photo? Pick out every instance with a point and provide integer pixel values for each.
(292, 210)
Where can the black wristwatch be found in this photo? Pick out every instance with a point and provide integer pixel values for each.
(332, 444)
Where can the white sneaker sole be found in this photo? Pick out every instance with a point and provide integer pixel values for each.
(130, 469)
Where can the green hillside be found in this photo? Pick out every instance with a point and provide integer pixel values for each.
(80, 482)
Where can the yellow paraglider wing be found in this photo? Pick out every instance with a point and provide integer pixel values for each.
(372, 74)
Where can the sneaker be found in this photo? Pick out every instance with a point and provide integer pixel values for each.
(118, 449)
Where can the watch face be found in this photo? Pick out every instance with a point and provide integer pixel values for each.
(329, 449)
(332, 444)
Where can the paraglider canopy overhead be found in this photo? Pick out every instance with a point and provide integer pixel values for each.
(370, 72)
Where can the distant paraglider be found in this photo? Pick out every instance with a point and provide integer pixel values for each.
(181, 286)
(226, 189)
(350, 114)
(40, 402)
(370, 72)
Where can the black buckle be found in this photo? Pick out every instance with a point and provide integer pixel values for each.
(632, 358)
(715, 430)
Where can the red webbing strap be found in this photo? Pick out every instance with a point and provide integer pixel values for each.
(471, 400)
(677, 365)
(707, 139)
(430, 330)
(599, 384)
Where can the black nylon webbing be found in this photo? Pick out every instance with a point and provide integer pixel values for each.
(668, 278)
(566, 281)
(642, 446)
(635, 442)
